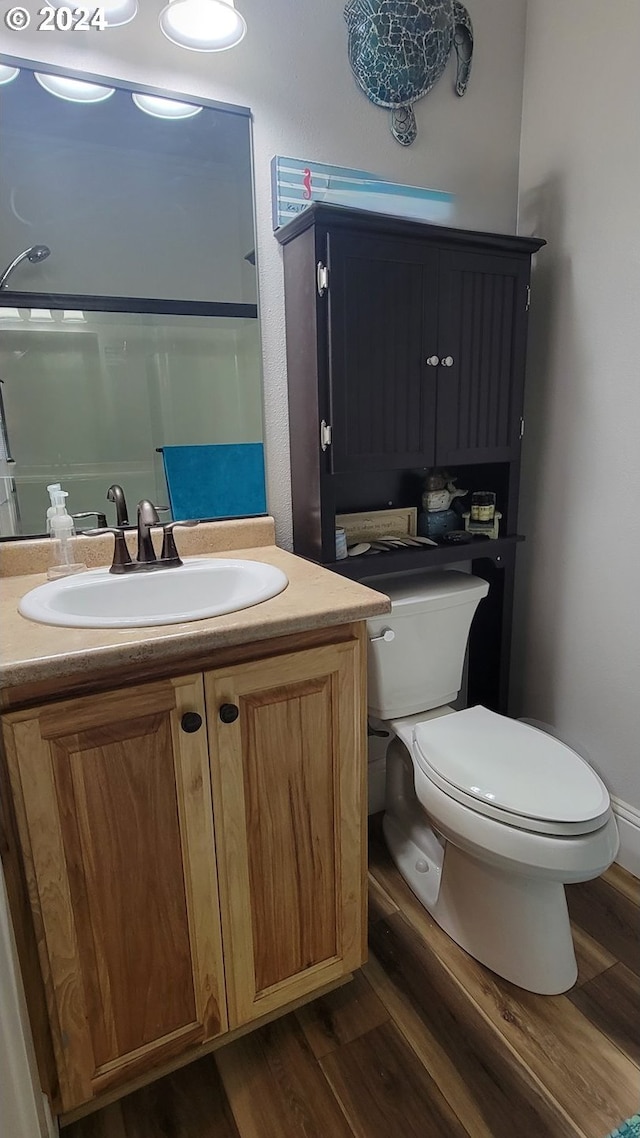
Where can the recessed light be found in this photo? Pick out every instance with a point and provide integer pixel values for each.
(74, 90)
(202, 25)
(162, 108)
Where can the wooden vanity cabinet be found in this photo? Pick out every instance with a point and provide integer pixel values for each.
(288, 781)
(116, 825)
(194, 853)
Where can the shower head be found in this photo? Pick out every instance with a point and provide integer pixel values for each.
(38, 253)
(35, 254)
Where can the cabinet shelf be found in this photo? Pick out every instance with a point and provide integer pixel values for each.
(401, 560)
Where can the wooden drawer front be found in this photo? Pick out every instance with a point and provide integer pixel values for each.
(117, 831)
(288, 776)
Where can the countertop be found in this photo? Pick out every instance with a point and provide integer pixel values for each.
(314, 598)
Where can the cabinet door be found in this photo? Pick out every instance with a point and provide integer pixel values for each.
(288, 776)
(482, 329)
(382, 327)
(114, 806)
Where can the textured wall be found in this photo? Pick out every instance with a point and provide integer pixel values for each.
(293, 72)
(577, 652)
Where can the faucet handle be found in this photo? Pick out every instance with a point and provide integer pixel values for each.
(169, 549)
(121, 555)
(101, 518)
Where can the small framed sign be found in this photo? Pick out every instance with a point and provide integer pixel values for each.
(379, 523)
(297, 183)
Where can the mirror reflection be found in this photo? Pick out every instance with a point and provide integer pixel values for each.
(129, 334)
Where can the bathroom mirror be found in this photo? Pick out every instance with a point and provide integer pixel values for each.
(129, 320)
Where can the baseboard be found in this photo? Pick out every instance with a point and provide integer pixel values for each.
(628, 819)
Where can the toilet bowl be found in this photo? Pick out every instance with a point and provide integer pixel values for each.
(486, 818)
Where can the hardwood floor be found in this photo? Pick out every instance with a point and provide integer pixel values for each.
(424, 1043)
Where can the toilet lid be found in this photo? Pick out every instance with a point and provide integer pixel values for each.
(509, 767)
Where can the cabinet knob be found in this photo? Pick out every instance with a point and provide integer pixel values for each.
(191, 722)
(432, 361)
(447, 361)
(229, 712)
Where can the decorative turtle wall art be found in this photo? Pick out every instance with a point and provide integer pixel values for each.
(398, 49)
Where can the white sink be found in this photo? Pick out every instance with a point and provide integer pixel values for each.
(200, 588)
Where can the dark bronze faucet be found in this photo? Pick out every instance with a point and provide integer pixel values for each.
(115, 494)
(146, 557)
(147, 517)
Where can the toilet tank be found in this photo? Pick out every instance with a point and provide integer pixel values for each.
(421, 667)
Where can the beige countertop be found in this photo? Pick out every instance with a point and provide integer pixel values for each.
(314, 598)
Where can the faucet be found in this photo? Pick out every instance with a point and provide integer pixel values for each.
(116, 494)
(147, 517)
(146, 557)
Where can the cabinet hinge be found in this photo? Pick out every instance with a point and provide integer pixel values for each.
(528, 306)
(521, 428)
(322, 278)
(325, 435)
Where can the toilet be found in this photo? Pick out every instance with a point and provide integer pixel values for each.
(487, 818)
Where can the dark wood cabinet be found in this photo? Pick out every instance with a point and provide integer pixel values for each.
(383, 323)
(483, 302)
(406, 346)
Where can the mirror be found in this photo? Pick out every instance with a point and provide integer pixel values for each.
(129, 336)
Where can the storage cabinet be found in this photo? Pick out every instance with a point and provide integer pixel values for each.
(406, 347)
(426, 353)
(123, 845)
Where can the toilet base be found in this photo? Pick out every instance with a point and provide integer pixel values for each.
(516, 925)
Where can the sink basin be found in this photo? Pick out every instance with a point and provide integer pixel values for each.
(200, 588)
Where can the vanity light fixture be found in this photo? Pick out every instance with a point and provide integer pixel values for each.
(74, 90)
(10, 314)
(8, 73)
(202, 25)
(41, 314)
(73, 316)
(115, 12)
(162, 108)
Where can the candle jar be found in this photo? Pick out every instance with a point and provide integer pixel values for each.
(483, 506)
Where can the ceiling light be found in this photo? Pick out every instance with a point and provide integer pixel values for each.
(74, 90)
(162, 108)
(8, 73)
(202, 25)
(115, 12)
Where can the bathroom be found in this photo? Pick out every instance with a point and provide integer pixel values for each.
(538, 147)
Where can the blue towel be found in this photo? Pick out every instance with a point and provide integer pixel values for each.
(218, 481)
(628, 1129)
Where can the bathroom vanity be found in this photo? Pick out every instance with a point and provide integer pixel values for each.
(183, 817)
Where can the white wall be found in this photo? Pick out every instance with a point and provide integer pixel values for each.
(577, 652)
(292, 70)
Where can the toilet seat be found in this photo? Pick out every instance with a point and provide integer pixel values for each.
(511, 772)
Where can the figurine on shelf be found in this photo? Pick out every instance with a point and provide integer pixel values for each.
(437, 517)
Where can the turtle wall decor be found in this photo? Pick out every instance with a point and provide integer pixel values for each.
(398, 49)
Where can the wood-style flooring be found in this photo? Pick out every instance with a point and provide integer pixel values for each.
(424, 1043)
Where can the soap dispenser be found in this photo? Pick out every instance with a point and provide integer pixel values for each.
(64, 560)
(51, 490)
